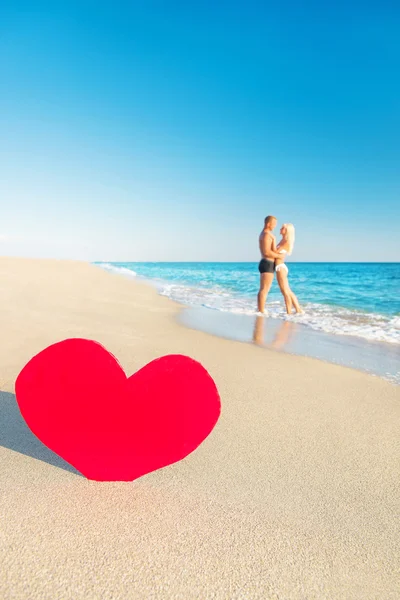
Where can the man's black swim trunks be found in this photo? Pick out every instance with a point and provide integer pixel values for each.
(266, 266)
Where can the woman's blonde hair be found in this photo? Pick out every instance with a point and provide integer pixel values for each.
(290, 236)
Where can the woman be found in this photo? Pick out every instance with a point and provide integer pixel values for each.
(285, 248)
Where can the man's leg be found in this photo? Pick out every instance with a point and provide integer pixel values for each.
(266, 280)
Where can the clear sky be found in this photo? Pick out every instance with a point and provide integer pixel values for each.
(144, 130)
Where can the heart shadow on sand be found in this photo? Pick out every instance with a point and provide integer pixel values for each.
(16, 435)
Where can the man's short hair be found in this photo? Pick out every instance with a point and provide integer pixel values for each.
(269, 219)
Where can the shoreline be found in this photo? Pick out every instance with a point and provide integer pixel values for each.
(379, 359)
(345, 351)
(292, 495)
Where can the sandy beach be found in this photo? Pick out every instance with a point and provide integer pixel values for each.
(294, 495)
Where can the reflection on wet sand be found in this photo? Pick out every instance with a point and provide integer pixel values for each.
(258, 334)
(282, 336)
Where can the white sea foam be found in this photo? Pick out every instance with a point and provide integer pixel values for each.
(321, 317)
(330, 319)
(115, 269)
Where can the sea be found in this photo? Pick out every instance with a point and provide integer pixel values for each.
(351, 310)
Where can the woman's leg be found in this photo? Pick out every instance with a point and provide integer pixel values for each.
(296, 303)
(283, 283)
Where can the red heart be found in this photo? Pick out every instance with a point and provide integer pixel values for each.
(77, 400)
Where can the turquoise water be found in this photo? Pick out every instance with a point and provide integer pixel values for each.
(352, 299)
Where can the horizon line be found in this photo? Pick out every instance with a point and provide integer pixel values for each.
(244, 262)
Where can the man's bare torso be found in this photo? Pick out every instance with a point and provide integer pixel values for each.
(266, 238)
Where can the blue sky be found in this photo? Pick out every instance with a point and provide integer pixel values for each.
(169, 130)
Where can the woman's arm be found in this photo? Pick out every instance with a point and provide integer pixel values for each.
(281, 246)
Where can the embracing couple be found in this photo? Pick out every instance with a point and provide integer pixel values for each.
(273, 260)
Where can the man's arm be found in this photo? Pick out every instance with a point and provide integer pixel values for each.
(267, 244)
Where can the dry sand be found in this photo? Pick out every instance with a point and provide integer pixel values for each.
(294, 495)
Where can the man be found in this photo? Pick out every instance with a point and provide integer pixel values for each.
(266, 266)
